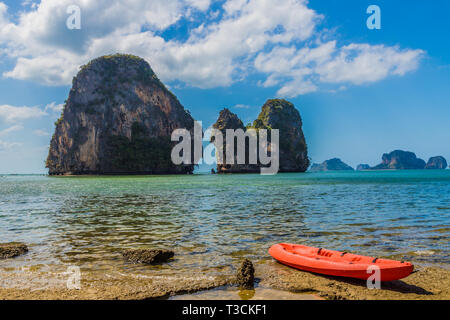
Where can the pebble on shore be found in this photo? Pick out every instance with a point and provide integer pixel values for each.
(246, 275)
(11, 250)
(147, 256)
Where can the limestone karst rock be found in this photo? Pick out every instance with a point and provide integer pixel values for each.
(438, 162)
(118, 119)
(275, 114)
(229, 120)
(399, 159)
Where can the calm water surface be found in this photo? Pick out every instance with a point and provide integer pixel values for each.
(213, 221)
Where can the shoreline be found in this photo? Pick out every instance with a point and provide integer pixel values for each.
(273, 282)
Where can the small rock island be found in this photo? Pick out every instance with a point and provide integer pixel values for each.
(118, 119)
(438, 162)
(334, 164)
(275, 114)
(400, 160)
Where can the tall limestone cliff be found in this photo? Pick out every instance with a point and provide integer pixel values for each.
(281, 114)
(275, 114)
(229, 120)
(118, 119)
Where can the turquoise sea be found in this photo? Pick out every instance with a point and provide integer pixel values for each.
(213, 221)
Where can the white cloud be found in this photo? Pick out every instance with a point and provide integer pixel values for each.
(276, 38)
(58, 108)
(7, 131)
(57, 70)
(4, 145)
(300, 71)
(200, 4)
(242, 106)
(3, 11)
(297, 87)
(208, 58)
(13, 114)
(363, 63)
(41, 133)
(30, 3)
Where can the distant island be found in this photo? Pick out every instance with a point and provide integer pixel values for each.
(362, 167)
(401, 160)
(331, 165)
(395, 160)
(438, 162)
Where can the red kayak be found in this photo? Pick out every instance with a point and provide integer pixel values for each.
(335, 263)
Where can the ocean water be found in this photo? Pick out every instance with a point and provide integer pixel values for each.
(214, 221)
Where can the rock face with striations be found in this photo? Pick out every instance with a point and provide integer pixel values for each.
(275, 114)
(118, 119)
(334, 164)
(438, 162)
(400, 160)
(281, 114)
(229, 120)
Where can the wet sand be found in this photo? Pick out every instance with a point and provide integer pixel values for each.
(425, 283)
(273, 281)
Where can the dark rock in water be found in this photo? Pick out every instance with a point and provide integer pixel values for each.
(400, 160)
(275, 114)
(246, 274)
(11, 250)
(438, 162)
(118, 119)
(362, 167)
(147, 256)
(330, 165)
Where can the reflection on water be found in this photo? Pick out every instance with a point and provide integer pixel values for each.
(213, 221)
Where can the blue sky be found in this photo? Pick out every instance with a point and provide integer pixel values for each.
(360, 92)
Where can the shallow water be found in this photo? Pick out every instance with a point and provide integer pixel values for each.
(213, 221)
(231, 293)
